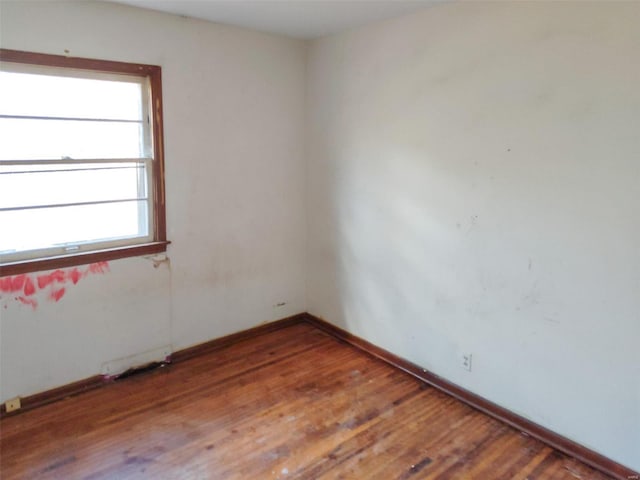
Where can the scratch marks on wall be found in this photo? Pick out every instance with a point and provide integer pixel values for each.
(550, 320)
(25, 287)
(533, 297)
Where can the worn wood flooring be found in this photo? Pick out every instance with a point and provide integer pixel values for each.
(294, 403)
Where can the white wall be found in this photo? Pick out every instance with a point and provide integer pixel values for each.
(472, 187)
(234, 123)
(473, 182)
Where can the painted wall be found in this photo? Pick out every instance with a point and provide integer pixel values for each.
(234, 128)
(473, 181)
(472, 188)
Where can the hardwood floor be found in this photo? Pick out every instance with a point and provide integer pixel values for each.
(294, 403)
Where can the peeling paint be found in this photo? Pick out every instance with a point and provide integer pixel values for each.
(159, 260)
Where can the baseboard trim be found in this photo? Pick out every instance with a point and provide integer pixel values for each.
(55, 394)
(218, 343)
(569, 447)
(59, 393)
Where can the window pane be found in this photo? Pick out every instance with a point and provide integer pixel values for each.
(50, 227)
(24, 139)
(52, 96)
(57, 184)
(77, 166)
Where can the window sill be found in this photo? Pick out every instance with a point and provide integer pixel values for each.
(72, 260)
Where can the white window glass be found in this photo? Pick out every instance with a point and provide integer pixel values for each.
(75, 161)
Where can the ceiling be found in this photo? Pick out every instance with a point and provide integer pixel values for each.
(296, 18)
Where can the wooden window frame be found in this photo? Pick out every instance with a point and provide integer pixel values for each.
(159, 243)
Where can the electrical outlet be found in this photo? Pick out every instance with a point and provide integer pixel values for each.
(465, 361)
(13, 404)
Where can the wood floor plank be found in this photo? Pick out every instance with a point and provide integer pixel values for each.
(292, 403)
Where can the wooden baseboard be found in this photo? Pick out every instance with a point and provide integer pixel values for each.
(218, 343)
(55, 394)
(569, 447)
(96, 381)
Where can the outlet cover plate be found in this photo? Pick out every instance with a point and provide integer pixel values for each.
(466, 361)
(12, 405)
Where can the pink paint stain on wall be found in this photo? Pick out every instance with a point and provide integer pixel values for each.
(57, 294)
(99, 267)
(28, 285)
(54, 277)
(74, 275)
(28, 301)
(12, 284)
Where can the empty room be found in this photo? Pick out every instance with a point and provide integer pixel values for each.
(307, 239)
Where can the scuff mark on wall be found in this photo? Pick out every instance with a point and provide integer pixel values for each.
(27, 285)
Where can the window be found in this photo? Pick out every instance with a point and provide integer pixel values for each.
(81, 161)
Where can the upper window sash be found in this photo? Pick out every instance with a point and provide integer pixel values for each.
(43, 103)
